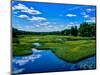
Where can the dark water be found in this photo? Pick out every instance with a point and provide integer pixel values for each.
(46, 61)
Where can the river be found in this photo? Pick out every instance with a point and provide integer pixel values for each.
(46, 61)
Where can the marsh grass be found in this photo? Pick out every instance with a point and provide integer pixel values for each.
(22, 49)
(68, 48)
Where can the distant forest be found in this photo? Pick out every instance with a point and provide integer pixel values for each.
(85, 30)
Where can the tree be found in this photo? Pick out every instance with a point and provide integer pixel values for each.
(74, 31)
(65, 32)
(93, 29)
(14, 35)
(88, 30)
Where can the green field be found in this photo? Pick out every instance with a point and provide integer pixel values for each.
(69, 48)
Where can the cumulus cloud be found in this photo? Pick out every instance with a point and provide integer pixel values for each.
(37, 18)
(24, 8)
(74, 8)
(71, 15)
(40, 24)
(33, 18)
(44, 23)
(23, 16)
(84, 14)
(69, 25)
(16, 70)
(19, 7)
(50, 26)
(91, 20)
(90, 9)
(31, 11)
(62, 26)
(15, 12)
(29, 27)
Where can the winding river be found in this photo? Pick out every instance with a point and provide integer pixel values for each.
(46, 61)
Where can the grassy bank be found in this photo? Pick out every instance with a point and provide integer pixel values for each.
(68, 48)
(22, 49)
(71, 51)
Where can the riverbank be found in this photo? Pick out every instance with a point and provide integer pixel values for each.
(70, 49)
(34, 63)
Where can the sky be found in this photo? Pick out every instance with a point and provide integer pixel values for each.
(48, 17)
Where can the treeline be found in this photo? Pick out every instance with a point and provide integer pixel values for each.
(85, 30)
(17, 32)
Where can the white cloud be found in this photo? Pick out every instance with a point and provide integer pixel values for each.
(18, 70)
(50, 26)
(40, 24)
(89, 10)
(71, 15)
(54, 22)
(25, 9)
(29, 27)
(44, 24)
(84, 14)
(74, 8)
(37, 25)
(62, 26)
(19, 7)
(15, 12)
(23, 16)
(56, 27)
(92, 19)
(18, 26)
(69, 25)
(31, 11)
(34, 18)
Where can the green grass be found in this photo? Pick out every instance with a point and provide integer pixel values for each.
(68, 48)
(72, 51)
(76, 50)
(22, 49)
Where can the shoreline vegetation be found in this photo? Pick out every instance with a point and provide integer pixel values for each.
(71, 45)
(71, 50)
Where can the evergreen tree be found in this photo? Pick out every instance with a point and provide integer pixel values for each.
(74, 31)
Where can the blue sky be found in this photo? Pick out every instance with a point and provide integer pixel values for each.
(46, 17)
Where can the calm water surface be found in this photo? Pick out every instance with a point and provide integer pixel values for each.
(46, 61)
